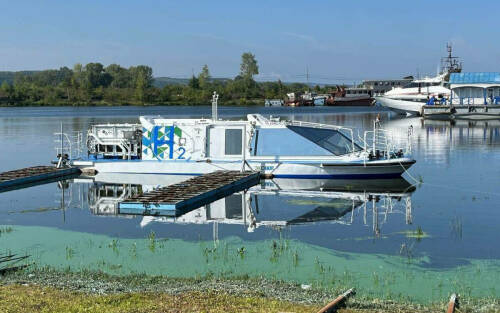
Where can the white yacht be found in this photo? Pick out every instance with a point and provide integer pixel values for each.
(411, 99)
(278, 149)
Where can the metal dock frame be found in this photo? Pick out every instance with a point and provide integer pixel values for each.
(32, 175)
(189, 195)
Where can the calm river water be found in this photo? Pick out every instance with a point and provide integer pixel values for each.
(421, 237)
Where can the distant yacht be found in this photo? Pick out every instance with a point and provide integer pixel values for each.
(411, 98)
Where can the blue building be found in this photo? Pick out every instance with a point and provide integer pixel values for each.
(475, 88)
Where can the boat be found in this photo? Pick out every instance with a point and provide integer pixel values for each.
(276, 148)
(350, 97)
(411, 98)
(300, 99)
(474, 96)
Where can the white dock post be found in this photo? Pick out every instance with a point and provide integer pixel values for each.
(215, 97)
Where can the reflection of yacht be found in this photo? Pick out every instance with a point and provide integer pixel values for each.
(280, 149)
(261, 205)
(410, 99)
(440, 137)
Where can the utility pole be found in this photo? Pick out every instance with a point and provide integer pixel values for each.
(307, 76)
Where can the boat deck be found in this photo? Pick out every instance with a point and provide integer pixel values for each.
(179, 198)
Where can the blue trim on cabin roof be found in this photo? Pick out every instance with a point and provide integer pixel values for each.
(475, 78)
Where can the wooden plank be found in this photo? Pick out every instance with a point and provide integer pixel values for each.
(452, 304)
(338, 302)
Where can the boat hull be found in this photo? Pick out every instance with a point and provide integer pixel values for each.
(316, 170)
(350, 101)
(401, 106)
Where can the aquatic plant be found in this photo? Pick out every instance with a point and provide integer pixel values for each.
(241, 252)
(407, 251)
(6, 230)
(418, 234)
(133, 250)
(70, 253)
(295, 258)
(114, 245)
(456, 227)
(152, 241)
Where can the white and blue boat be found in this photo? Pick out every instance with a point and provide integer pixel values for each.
(278, 149)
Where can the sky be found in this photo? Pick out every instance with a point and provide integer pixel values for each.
(335, 41)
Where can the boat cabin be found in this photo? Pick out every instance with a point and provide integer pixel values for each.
(475, 88)
(195, 139)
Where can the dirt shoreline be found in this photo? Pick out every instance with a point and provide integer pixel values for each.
(264, 291)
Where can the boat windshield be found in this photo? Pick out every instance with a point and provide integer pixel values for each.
(301, 141)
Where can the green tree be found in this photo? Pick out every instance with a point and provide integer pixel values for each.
(204, 76)
(121, 76)
(248, 67)
(94, 76)
(142, 78)
(194, 82)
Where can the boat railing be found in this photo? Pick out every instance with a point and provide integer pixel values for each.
(114, 140)
(68, 145)
(385, 143)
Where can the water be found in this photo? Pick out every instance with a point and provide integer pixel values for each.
(387, 238)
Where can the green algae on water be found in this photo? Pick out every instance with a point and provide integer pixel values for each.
(374, 275)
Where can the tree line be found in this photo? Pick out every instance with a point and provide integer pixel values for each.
(95, 84)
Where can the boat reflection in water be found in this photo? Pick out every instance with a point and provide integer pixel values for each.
(273, 203)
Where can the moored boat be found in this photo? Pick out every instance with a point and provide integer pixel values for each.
(350, 97)
(412, 98)
(280, 149)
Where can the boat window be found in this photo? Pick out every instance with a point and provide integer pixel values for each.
(329, 139)
(284, 142)
(233, 142)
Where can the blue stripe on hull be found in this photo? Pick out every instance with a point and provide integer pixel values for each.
(297, 176)
(339, 176)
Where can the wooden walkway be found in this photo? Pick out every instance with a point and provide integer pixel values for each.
(36, 174)
(177, 199)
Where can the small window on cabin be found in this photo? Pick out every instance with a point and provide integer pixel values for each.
(233, 143)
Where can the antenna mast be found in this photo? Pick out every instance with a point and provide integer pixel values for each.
(450, 64)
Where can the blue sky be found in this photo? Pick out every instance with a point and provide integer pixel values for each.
(337, 40)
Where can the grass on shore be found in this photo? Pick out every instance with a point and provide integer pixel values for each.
(22, 298)
(49, 290)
